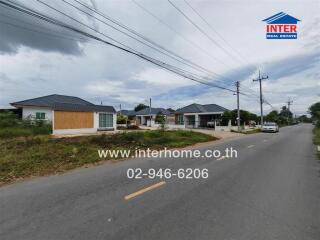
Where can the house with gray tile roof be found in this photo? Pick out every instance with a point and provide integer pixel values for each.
(199, 115)
(129, 113)
(68, 114)
(147, 116)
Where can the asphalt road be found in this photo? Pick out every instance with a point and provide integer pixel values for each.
(271, 191)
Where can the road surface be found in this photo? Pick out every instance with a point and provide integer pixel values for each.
(271, 191)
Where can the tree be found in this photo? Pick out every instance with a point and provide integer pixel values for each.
(273, 116)
(245, 117)
(285, 115)
(304, 119)
(226, 116)
(122, 119)
(315, 111)
(140, 106)
(160, 118)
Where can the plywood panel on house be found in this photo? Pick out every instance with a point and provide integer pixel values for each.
(72, 120)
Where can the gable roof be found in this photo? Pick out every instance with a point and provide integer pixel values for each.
(64, 103)
(146, 111)
(281, 18)
(198, 108)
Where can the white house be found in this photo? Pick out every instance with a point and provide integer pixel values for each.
(197, 115)
(148, 115)
(69, 115)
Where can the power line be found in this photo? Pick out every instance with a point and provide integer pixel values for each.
(101, 14)
(133, 52)
(50, 34)
(177, 33)
(202, 31)
(215, 31)
(171, 54)
(124, 48)
(188, 62)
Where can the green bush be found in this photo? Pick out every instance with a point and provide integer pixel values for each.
(122, 119)
(316, 138)
(8, 119)
(15, 132)
(12, 126)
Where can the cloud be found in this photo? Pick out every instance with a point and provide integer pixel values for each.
(19, 29)
(34, 64)
(292, 64)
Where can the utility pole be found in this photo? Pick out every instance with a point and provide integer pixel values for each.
(289, 103)
(120, 107)
(238, 106)
(150, 112)
(260, 78)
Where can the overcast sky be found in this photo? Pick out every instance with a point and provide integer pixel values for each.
(38, 59)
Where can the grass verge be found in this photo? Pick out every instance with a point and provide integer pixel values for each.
(316, 138)
(41, 155)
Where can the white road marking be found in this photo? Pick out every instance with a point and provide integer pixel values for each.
(250, 146)
(265, 140)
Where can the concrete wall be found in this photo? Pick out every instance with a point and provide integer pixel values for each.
(30, 112)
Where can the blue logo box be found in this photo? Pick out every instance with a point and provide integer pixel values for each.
(281, 35)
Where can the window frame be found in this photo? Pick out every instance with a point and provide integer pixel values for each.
(40, 116)
(107, 122)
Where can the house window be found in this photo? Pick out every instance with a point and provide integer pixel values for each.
(105, 120)
(180, 119)
(40, 115)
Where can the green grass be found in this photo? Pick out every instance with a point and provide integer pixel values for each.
(252, 131)
(11, 126)
(22, 157)
(316, 138)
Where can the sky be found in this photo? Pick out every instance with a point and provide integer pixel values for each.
(38, 58)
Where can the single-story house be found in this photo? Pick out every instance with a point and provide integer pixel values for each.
(128, 113)
(69, 115)
(144, 116)
(197, 115)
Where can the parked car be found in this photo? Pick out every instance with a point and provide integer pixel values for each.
(270, 127)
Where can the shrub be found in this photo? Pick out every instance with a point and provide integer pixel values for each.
(43, 129)
(122, 119)
(15, 132)
(133, 127)
(8, 119)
